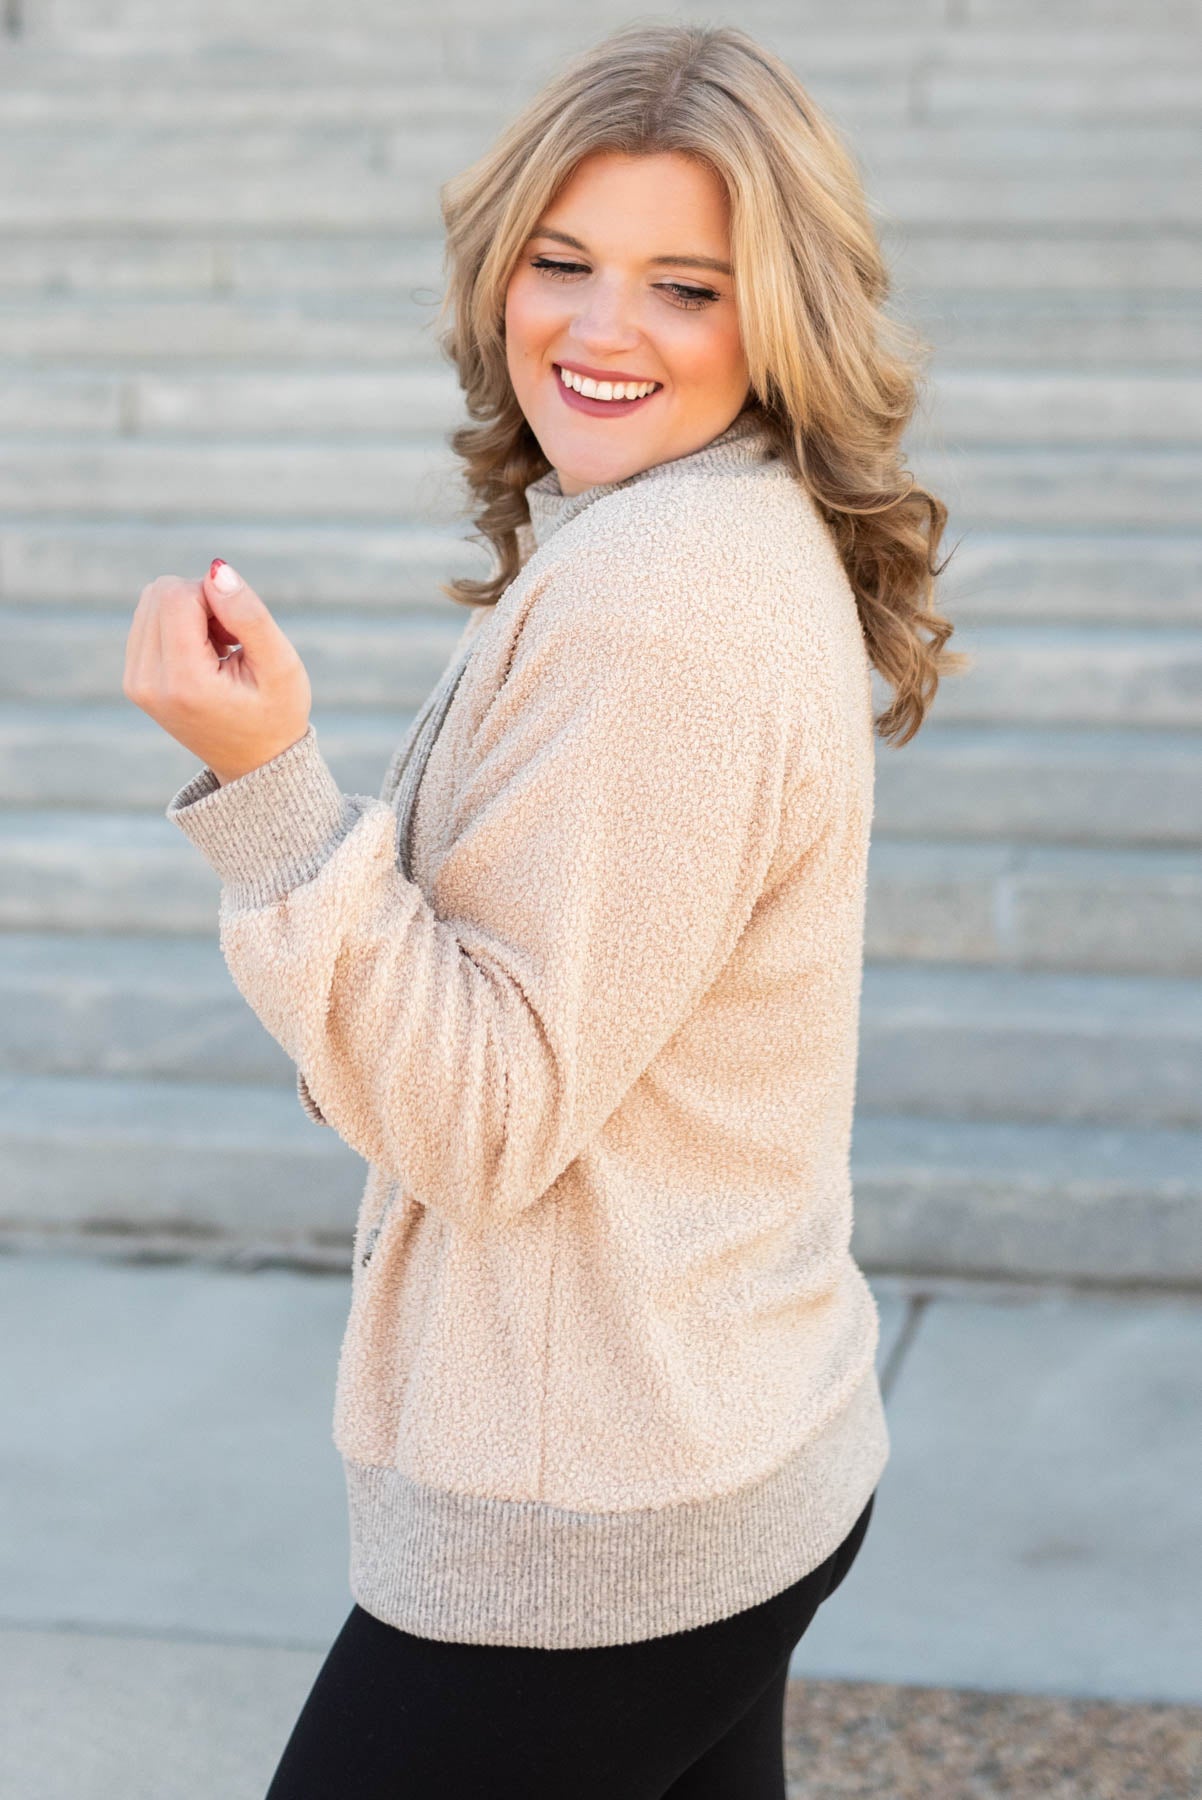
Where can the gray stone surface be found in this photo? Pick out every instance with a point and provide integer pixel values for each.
(376, 402)
(118, 1715)
(87, 404)
(239, 479)
(1039, 327)
(1117, 911)
(984, 406)
(98, 566)
(1013, 571)
(169, 1463)
(208, 1165)
(1043, 784)
(1028, 1044)
(981, 257)
(1109, 485)
(1035, 1528)
(996, 1198)
(126, 331)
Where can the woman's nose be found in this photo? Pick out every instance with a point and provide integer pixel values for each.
(606, 316)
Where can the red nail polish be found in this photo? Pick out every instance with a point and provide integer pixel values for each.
(216, 564)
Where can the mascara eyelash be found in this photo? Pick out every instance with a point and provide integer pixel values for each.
(688, 296)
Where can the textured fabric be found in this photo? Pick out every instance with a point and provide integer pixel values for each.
(609, 1366)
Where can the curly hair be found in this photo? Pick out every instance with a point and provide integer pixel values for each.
(833, 377)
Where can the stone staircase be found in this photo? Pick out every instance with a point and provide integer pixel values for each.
(220, 261)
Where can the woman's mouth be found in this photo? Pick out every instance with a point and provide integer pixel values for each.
(599, 408)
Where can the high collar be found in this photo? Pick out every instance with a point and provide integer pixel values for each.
(746, 440)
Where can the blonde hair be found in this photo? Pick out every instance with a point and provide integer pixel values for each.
(832, 377)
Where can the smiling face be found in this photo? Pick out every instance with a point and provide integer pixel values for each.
(627, 299)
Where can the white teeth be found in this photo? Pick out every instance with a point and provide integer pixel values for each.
(606, 390)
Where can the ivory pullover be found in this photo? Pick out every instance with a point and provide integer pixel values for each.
(581, 986)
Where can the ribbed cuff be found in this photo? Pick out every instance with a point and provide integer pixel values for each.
(271, 829)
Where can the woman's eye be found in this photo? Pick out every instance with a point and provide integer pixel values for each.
(687, 296)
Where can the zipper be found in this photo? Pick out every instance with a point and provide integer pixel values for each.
(378, 1227)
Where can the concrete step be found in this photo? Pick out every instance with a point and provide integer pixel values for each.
(68, 93)
(984, 1198)
(1066, 329)
(981, 258)
(1156, 37)
(1005, 573)
(1086, 407)
(221, 263)
(1027, 674)
(1068, 785)
(1120, 911)
(146, 1007)
(271, 331)
(125, 25)
(331, 172)
(232, 1170)
(1046, 785)
(978, 33)
(1060, 674)
(1009, 572)
(194, 1165)
(1115, 486)
(64, 565)
(972, 407)
(1115, 911)
(951, 90)
(1032, 329)
(418, 400)
(415, 479)
(1016, 1045)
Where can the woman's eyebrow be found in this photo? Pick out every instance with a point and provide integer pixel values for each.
(691, 262)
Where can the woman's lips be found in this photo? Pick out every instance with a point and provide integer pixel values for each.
(598, 408)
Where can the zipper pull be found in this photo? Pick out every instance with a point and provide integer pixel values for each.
(378, 1227)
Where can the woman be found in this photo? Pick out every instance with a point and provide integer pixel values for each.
(586, 998)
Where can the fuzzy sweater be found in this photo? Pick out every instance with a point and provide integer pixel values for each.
(581, 986)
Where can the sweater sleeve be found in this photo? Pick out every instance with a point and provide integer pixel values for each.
(605, 848)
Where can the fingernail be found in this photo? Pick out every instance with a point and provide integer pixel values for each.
(224, 578)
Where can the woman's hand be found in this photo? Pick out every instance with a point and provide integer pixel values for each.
(235, 708)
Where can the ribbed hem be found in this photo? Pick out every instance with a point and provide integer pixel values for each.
(271, 829)
(477, 1571)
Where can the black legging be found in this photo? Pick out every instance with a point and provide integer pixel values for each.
(697, 1715)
